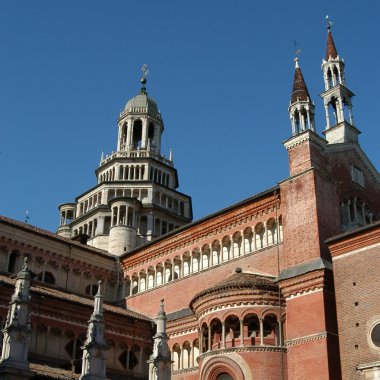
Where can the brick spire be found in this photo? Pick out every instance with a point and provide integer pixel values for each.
(331, 49)
(300, 91)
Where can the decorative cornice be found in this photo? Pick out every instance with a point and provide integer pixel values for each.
(186, 370)
(242, 349)
(320, 279)
(307, 135)
(306, 339)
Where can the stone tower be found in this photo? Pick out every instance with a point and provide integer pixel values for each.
(14, 364)
(160, 360)
(135, 199)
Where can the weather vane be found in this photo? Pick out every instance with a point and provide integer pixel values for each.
(145, 70)
(329, 23)
(27, 217)
(296, 51)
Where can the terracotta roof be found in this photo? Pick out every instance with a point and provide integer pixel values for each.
(331, 49)
(241, 280)
(51, 235)
(300, 91)
(52, 372)
(74, 298)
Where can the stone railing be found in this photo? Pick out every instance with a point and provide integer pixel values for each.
(136, 154)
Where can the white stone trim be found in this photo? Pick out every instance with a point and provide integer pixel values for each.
(356, 251)
(304, 293)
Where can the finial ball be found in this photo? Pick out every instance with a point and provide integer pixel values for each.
(143, 80)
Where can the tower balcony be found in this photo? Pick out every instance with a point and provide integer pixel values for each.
(136, 154)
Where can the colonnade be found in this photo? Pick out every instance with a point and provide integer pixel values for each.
(355, 212)
(185, 355)
(232, 331)
(262, 235)
(124, 215)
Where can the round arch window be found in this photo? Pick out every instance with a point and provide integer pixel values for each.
(224, 376)
(375, 335)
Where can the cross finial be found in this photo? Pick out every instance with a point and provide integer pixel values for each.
(329, 22)
(145, 70)
(27, 217)
(297, 52)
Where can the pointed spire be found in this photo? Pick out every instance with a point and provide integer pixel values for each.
(94, 348)
(299, 91)
(98, 304)
(160, 360)
(171, 155)
(17, 330)
(102, 155)
(331, 51)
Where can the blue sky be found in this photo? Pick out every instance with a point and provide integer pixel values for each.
(220, 71)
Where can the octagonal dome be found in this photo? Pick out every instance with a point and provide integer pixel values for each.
(142, 103)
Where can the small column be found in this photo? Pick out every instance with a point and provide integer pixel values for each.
(144, 133)
(261, 320)
(223, 334)
(327, 116)
(201, 341)
(209, 338)
(241, 332)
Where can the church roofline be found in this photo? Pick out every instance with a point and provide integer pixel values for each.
(205, 218)
(50, 235)
(79, 299)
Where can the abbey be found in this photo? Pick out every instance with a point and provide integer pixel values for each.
(282, 285)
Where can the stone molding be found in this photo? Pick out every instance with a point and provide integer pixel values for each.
(242, 349)
(307, 135)
(318, 279)
(306, 339)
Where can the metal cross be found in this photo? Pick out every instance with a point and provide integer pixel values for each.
(329, 23)
(296, 51)
(145, 70)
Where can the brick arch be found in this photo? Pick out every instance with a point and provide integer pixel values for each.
(270, 310)
(218, 365)
(231, 313)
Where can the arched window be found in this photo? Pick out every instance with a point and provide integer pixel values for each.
(259, 232)
(137, 134)
(91, 289)
(46, 277)
(12, 261)
(329, 79)
(151, 132)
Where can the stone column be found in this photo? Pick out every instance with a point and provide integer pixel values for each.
(223, 334)
(327, 116)
(241, 332)
(261, 320)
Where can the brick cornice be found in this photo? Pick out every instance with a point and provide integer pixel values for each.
(354, 240)
(318, 279)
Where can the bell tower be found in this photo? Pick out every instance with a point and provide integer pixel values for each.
(301, 108)
(135, 199)
(337, 98)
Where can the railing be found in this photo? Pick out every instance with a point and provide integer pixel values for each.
(136, 154)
